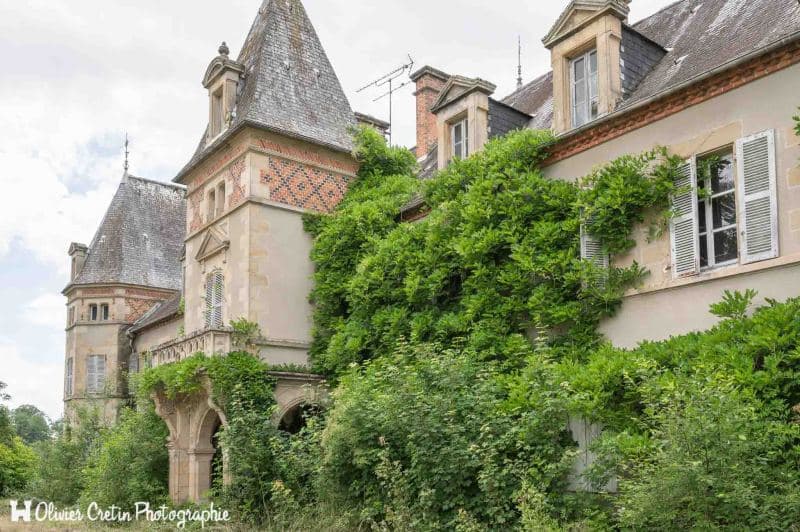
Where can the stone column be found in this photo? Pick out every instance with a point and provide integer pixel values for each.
(178, 474)
(199, 473)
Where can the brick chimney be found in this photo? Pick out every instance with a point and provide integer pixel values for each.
(430, 82)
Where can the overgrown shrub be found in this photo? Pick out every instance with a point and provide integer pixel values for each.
(130, 462)
(58, 477)
(17, 466)
(430, 432)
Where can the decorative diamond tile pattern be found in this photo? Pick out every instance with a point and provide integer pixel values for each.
(304, 186)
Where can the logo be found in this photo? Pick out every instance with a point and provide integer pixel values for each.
(17, 514)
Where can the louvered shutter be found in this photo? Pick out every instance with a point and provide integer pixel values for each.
(684, 239)
(592, 249)
(217, 294)
(758, 211)
(209, 300)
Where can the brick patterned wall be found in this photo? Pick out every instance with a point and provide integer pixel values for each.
(301, 185)
(137, 308)
(234, 183)
(669, 105)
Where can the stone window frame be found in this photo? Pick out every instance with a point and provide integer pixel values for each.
(211, 203)
(219, 208)
(216, 123)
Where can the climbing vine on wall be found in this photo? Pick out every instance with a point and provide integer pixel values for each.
(497, 258)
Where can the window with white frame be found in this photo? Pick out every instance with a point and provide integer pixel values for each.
(93, 312)
(724, 209)
(583, 77)
(104, 314)
(95, 374)
(718, 238)
(215, 285)
(68, 378)
(459, 137)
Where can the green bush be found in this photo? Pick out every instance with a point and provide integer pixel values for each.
(429, 433)
(719, 462)
(17, 466)
(129, 463)
(58, 477)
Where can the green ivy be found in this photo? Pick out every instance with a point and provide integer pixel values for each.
(237, 379)
(797, 124)
(496, 260)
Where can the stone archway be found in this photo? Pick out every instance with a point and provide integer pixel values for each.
(193, 420)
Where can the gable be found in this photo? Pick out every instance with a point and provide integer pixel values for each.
(213, 243)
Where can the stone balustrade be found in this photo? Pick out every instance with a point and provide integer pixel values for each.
(208, 341)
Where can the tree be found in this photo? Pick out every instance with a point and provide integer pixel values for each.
(31, 424)
(6, 427)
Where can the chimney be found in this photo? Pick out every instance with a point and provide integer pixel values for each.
(430, 83)
(77, 253)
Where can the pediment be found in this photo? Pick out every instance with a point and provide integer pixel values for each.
(580, 12)
(217, 67)
(213, 242)
(457, 87)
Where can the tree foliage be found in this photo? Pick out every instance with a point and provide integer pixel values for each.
(31, 424)
(498, 256)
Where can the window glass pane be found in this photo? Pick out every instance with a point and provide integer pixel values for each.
(701, 215)
(725, 245)
(593, 86)
(724, 210)
(579, 69)
(457, 133)
(580, 93)
(703, 251)
(593, 62)
(722, 174)
(593, 109)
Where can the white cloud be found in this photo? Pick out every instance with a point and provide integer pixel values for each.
(32, 383)
(47, 310)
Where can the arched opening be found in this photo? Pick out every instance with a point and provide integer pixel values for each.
(217, 461)
(294, 420)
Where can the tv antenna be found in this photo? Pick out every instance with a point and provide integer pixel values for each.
(519, 61)
(389, 79)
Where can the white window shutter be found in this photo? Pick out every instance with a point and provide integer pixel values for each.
(758, 208)
(683, 229)
(592, 249)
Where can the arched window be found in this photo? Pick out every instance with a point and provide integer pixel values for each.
(215, 285)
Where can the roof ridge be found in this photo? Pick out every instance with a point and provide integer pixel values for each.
(155, 182)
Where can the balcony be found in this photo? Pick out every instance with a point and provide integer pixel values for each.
(208, 341)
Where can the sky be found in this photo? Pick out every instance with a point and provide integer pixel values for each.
(76, 76)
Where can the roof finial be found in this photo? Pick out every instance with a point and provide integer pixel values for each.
(126, 165)
(519, 61)
(223, 49)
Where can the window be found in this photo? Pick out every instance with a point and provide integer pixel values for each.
(95, 373)
(212, 205)
(104, 311)
(721, 217)
(221, 198)
(459, 135)
(716, 211)
(216, 113)
(583, 73)
(93, 312)
(215, 284)
(68, 379)
(71, 316)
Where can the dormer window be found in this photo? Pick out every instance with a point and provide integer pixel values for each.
(460, 139)
(583, 70)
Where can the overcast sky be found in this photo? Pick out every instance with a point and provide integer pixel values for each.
(76, 75)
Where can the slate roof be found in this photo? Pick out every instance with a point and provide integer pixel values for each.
(160, 313)
(289, 84)
(140, 240)
(699, 36)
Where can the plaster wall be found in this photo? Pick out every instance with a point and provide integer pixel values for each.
(664, 306)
